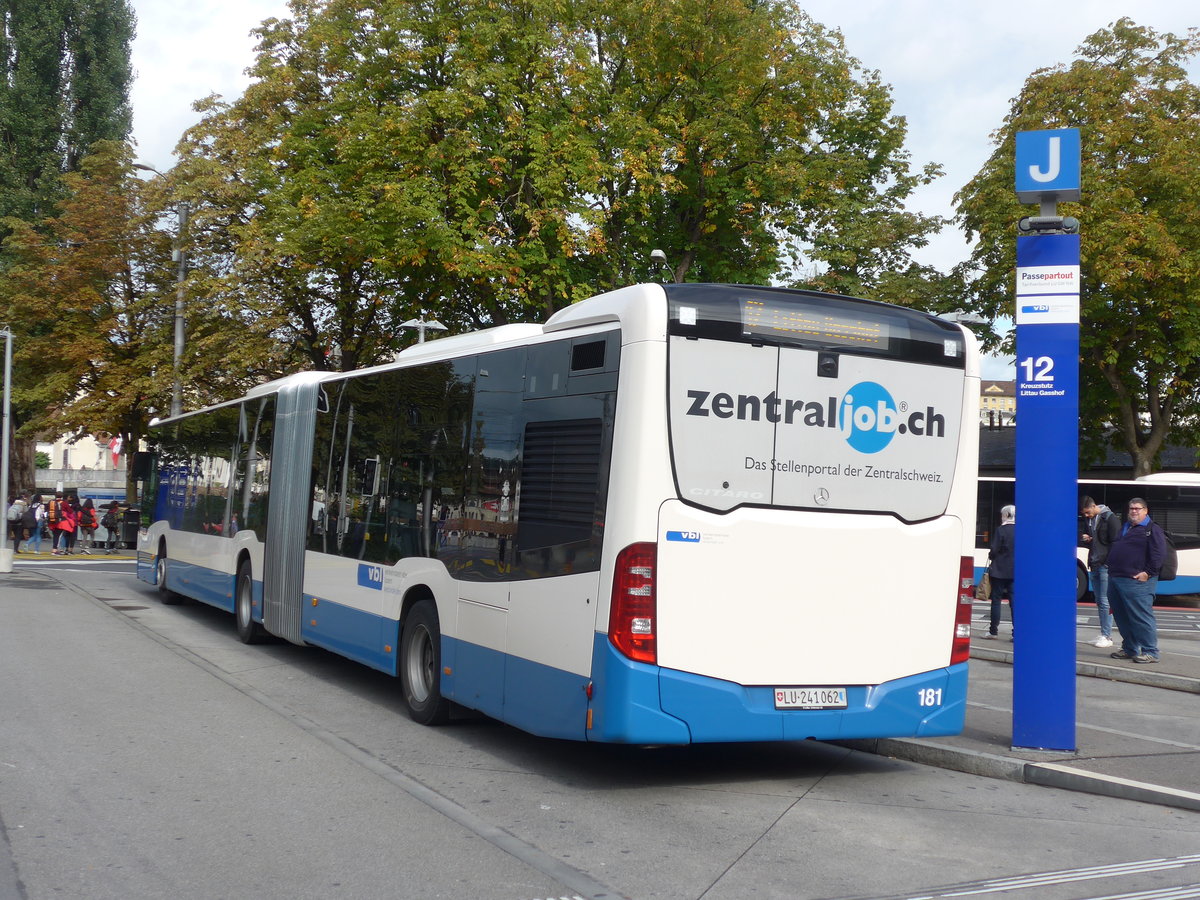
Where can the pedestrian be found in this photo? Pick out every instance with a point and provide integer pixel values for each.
(68, 522)
(1103, 529)
(1000, 568)
(1134, 561)
(15, 517)
(54, 516)
(35, 516)
(110, 522)
(88, 523)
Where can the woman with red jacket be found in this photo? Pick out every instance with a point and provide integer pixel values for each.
(68, 522)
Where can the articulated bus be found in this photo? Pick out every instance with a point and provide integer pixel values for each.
(1173, 500)
(672, 513)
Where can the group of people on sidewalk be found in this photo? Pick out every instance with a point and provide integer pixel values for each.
(1128, 556)
(70, 524)
(1124, 558)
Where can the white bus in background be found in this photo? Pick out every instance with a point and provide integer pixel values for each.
(1172, 497)
(670, 514)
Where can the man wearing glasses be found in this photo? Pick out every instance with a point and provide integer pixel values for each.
(1133, 564)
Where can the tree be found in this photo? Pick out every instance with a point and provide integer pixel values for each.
(744, 140)
(1129, 93)
(91, 292)
(493, 162)
(65, 84)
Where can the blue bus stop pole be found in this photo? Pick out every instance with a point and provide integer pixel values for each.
(1047, 463)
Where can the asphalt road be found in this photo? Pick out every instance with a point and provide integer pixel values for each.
(145, 752)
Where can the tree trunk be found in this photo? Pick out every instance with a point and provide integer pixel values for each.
(22, 476)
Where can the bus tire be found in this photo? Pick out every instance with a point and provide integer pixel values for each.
(1081, 582)
(165, 594)
(421, 665)
(248, 631)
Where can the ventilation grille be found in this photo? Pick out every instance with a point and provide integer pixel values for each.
(560, 481)
(587, 356)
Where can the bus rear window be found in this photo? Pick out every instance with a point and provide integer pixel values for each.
(815, 321)
(790, 427)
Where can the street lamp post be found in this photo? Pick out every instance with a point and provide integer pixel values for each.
(180, 255)
(6, 552)
(423, 325)
(180, 279)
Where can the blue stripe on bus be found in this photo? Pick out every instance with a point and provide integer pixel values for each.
(642, 704)
(625, 704)
(534, 697)
(361, 636)
(201, 583)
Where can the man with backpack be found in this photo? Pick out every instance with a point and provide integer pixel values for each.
(111, 523)
(1134, 562)
(16, 513)
(56, 516)
(35, 515)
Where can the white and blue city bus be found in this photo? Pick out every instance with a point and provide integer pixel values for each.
(1173, 499)
(671, 514)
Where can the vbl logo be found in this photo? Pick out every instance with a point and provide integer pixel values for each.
(370, 576)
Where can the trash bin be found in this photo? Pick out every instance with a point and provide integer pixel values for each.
(131, 521)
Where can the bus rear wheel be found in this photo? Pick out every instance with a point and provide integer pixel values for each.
(421, 666)
(248, 631)
(165, 594)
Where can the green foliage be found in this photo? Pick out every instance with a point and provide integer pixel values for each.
(89, 329)
(41, 459)
(66, 85)
(91, 291)
(1139, 115)
(490, 162)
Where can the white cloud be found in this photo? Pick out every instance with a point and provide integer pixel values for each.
(182, 53)
(954, 69)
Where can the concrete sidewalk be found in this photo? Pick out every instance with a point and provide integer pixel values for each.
(1137, 726)
(47, 557)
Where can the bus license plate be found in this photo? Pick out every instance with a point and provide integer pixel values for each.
(810, 698)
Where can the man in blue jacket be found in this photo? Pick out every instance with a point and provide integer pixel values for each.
(1133, 564)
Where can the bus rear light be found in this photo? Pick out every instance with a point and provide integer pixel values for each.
(960, 648)
(634, 607)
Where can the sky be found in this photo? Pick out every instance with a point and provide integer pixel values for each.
(953, 68)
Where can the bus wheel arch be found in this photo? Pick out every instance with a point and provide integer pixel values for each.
(1081, 582)
(248, 631)
(420, 661)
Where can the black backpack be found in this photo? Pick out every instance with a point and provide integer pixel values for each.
(1170, 564)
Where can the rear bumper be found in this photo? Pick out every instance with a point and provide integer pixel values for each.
(644, 704)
